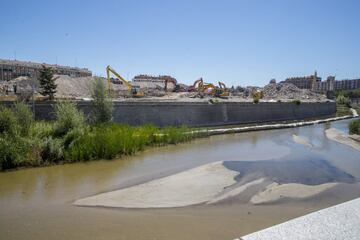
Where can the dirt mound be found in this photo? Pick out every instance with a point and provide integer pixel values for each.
(81, 86)
(21, 85)
(289, 91)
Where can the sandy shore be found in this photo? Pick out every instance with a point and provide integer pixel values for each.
(339, 137)
(236, 191)
(197, 185)
(275, 191)
(301, 140)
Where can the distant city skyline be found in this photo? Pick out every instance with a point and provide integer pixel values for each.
(236, 42)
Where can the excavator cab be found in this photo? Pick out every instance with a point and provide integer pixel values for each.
(136, 92)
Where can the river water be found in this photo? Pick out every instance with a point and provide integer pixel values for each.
(37, 203)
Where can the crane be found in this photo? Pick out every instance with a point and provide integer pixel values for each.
(134, 90)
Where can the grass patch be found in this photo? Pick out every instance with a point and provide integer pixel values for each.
(71, 139)
(354, 127)
(342, 110)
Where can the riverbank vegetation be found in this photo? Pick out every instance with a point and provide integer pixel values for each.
(73, 137)
(24, 142)
(354, 127)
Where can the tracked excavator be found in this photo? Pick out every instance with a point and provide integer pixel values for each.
(222, 91)
(195, 86)
(134, 90)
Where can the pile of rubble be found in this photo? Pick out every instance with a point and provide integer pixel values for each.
(20, 85)
(81, 87)
(284, 91)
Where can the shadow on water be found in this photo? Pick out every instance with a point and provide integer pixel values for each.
(309, 172)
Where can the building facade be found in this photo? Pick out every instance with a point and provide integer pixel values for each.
(306, 82)
(335, 85)
(147, 81)
(10, 69)
(314, 83)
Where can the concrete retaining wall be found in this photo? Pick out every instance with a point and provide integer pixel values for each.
(202, 114)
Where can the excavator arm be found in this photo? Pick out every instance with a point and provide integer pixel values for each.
(222, 85)
(135, 91)
(111, 70)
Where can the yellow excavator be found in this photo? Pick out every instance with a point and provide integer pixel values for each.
(134, 90)
(222, 91)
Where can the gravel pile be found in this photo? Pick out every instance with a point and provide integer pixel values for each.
(289, 91)
(22, 85)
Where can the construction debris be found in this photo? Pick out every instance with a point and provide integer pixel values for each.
(288, 91)
(80, 88)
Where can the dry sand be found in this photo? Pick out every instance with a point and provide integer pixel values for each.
(197, 185)
(301, 140)
(236, 191)
(275, 191)
(339, 137)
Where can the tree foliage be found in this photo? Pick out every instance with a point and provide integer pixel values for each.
(47, 82)
(102, 104)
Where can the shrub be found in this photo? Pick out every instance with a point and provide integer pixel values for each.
(24, 117)
(297, 102)
(341, 99)
(174, 135)
(73, 136)
(354, 127)
(102, 103)
(8, 122)
(41, 129)
(52, 150)
(13, 151)
(68, 118)
(256, 100)
(109, 141)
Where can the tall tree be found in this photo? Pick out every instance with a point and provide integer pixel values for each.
(47, 82)
(102, 104)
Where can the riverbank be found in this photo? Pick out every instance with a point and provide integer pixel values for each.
(271, 126)
(339, 137)
(30, 198)
(44, 145)
(28, 143)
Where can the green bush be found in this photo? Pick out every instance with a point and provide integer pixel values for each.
(8, 122)
(341, 99)
(41, 129)
(52, 150)
(174, 135)
(256, 100)
(24, 117)
(354, 127)
(107, 142)
(297, 102)
(68, 118)
(102, 106)
(13, 151)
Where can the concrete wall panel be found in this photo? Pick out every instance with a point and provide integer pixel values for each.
(202, 114)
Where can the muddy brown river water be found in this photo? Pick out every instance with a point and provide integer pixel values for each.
(37, 203)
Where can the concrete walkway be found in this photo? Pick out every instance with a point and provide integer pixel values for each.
(338, 222)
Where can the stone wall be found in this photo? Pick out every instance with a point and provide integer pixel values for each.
(202, 114)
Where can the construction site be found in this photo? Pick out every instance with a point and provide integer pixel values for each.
(20, 80)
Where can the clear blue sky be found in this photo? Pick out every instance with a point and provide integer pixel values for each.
(234, 41)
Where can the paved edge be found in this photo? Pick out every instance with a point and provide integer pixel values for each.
(337, 222)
